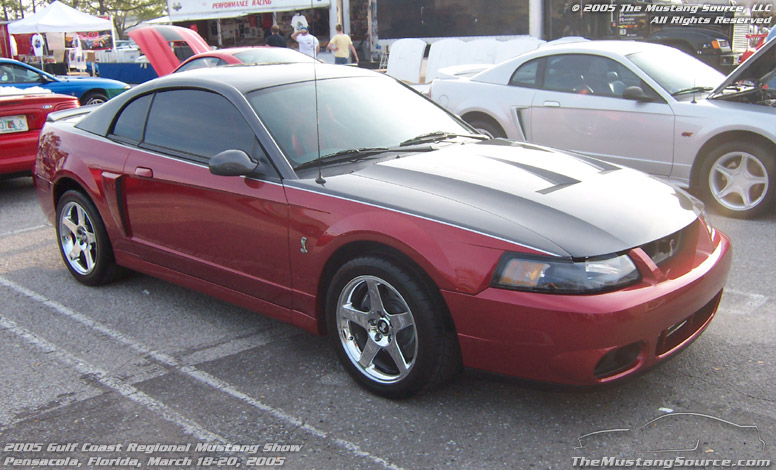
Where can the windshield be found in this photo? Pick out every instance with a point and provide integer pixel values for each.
(272, 55)
(354, 113)
(676, 71)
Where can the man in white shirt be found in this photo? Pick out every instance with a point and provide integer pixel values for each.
(308, 44)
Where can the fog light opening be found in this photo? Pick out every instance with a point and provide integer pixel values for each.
(617, 361)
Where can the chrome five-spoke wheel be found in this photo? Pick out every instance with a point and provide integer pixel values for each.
(77, 239)
(83, 241)
(377, 329)
(389, 327)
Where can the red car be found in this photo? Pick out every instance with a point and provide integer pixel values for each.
(352, 206)
(22, 115)
(172, 49)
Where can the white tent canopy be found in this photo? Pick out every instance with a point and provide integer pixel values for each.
(59, 18)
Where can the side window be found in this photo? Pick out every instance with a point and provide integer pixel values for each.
(590, 75)
(197, 123)
(566, 73)
(12, 73)
(527, 75)
(622, 77)
(131, 121)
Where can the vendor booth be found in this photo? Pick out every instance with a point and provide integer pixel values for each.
(54, 21)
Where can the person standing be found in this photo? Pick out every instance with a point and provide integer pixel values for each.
(342, 46)
(308, 44)
(275, 39)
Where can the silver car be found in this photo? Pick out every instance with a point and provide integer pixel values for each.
(642, 105)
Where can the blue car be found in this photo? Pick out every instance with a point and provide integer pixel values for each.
(88, 90)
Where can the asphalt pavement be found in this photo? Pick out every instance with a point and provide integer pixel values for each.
(145, 374)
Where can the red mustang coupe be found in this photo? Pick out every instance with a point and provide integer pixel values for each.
(354, 207)
(22, 115)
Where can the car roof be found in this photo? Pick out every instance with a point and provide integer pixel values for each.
(500, 73)
(228, 80)
(620, 47)
(249, 77)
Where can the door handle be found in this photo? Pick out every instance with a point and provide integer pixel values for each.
(144, 172)
(552, 104)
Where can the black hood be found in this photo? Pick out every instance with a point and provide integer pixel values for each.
(550, 201)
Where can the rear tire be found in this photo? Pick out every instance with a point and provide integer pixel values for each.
(388, 329)
(83, 241)
(737, 179)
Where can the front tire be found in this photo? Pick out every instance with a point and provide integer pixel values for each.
(737, 179)
(488, 128)
(83, 241)
(93, 97)
(388, 329)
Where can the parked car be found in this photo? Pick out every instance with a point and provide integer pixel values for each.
(172, 49)
(244, 55)
(416, 244)
(88, 90)
(22, 115)
(638, 104)
(705, 44)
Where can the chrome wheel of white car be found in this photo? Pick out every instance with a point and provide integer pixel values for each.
(739, 180)
(83, 241)
(389, 329)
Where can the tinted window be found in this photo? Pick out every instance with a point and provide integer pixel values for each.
(526, 75)
(197, 123)
(589, 74)
(132, 120)
(353, 113)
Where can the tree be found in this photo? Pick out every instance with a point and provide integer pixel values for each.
(125, 13)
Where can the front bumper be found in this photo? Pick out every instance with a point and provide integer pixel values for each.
(593, 339)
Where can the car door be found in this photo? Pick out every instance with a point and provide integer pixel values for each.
(580, 106)
(230, 231)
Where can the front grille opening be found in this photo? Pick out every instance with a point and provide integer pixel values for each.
(617, 360)
(676, 334)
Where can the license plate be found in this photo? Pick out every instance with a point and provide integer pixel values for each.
(10, 124)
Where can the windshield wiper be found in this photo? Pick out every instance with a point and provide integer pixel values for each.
(439, 135)
(344, 155)
(695, 89)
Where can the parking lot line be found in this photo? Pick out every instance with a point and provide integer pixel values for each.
(127, 391)
(23, 230)
(196, 374)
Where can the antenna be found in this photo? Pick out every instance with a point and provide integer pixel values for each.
(319, 179)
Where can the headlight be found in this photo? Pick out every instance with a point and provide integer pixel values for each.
(706, 222)
(559, 276)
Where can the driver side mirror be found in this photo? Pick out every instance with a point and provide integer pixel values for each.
(232, 163)
(637, 94)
